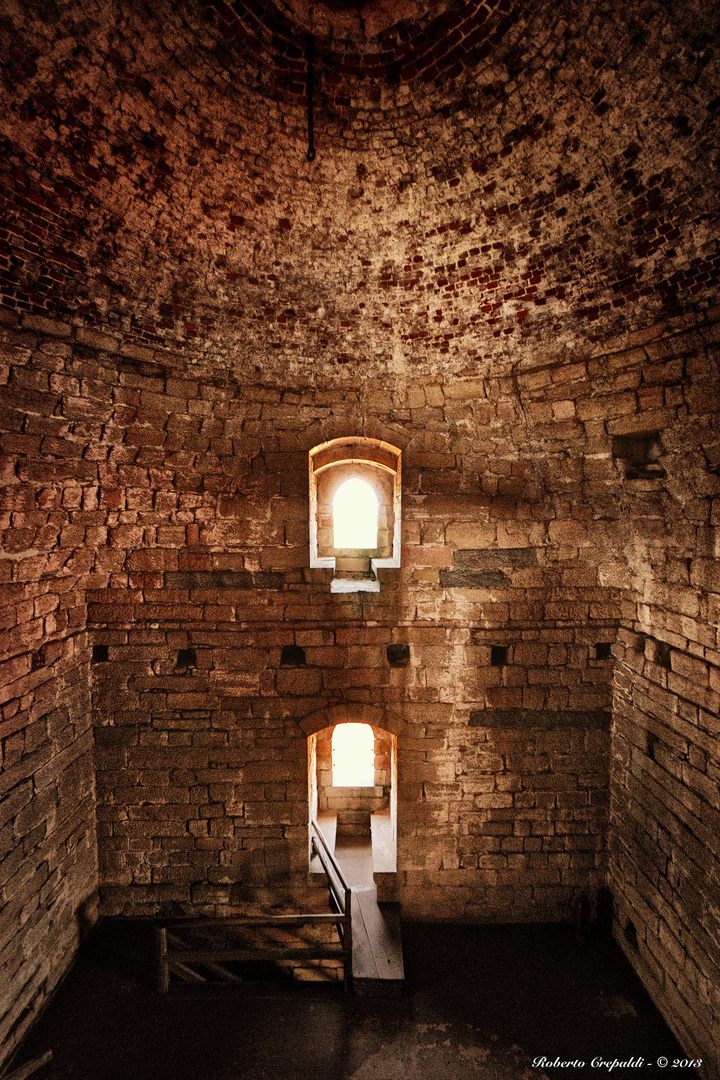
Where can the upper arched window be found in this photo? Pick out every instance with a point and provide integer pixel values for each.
(355, 510)
(355, 515)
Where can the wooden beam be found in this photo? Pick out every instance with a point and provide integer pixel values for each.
(185, 972)
(253, 920)
(29, 1068)
(223, 972)
(177, 959)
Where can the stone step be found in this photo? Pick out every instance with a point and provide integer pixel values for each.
(384, 857)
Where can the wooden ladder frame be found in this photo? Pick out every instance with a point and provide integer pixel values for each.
(178, 956)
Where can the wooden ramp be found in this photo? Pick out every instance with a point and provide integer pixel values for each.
(377, 960)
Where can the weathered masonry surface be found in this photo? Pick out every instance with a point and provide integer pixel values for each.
(507, 602)
(503, 262)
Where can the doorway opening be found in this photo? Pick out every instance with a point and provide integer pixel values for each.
(352, 780)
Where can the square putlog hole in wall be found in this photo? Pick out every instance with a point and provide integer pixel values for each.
(186, 658)
(650, 744)
(639, 455)
(603, 650)
(498, 655)
(630, 934)
(658, 652)
(398, 655)
(292, 656)
(100, 654)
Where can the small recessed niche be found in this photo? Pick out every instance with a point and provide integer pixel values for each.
(186, 658)
(639, 455)
(100, 654)
(498, 655)
(292, 656)
(650, 744)
(630, 934)
(603, 650)
(398, 655)
(658, 652)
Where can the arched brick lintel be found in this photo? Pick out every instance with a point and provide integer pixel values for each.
(355, 714)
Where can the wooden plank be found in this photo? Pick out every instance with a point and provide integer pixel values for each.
(202, 956)
(218, 969)
(377, 945)
(383, 926)
(336, 881)
(345, 932)
(363, 966)
(29, 1067)
(184, 945)
(254, 920)
(184, 971)
(163, 970)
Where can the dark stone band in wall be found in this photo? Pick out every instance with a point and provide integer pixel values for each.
(223, 579)
(540, 718)
(473, 579)
(472, 559)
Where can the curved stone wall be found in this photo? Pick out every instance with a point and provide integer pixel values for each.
(503, 259)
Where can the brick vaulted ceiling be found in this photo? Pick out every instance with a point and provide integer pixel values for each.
(491, 179)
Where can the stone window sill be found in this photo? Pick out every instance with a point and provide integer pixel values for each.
(348, 585)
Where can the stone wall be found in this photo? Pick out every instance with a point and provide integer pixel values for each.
(202, 763)
(48, 845)
(503, 258)
(182, 522)
(665, 853)
(509, 597)
(665, 820)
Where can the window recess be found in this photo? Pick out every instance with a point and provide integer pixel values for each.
(355, 510)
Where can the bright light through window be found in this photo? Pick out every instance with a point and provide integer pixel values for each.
(355, 514)
(353, 756)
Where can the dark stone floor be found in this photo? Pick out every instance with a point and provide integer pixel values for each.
(481, 1003)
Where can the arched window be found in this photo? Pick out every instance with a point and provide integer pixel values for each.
(355, 515)
(353, 756)
(355, 490)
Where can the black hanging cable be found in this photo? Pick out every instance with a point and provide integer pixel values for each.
(309, 50)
